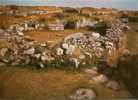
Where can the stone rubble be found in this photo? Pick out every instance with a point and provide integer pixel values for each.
(97, 78)
(77, 49)
(112, 84)
(83, 94)
(100, 79)
(3, 52)
(94, 45)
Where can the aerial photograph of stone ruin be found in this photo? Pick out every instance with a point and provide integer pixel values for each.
(68, 49)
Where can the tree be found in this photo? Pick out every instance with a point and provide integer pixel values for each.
(14, 7)
(70, 10)
(70, 24)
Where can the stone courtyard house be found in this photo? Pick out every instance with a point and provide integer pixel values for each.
(56, 27)
(30, 25)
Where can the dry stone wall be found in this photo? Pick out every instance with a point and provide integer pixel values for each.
(76, 50)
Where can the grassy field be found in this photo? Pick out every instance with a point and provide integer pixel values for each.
(132, 35)
(27, 84)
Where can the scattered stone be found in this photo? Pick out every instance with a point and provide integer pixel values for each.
(79, 48)
(100, 79)
(59, 51)
(44, 58)
(2, 64)
(83, 94)
(20, 33)
(96, 35)
(30, 51)
(76, 62)
(91, 72)
(65, 46)
(42, 65)
(43, 44)
(74, 36)
(70, 50)
(126, 52)
(113, 85)
(82, 57)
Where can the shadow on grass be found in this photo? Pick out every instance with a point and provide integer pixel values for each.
(126, 72)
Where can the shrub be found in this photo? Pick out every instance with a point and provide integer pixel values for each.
(70, 10)
(101, 28)
(70, 24)
(133, 19)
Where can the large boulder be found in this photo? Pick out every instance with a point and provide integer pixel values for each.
(83, 94)
(113, 85)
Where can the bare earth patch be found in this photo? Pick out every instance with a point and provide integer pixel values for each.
(22, 83)
(54, 36)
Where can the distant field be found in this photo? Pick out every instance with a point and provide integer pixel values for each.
(26, 84)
